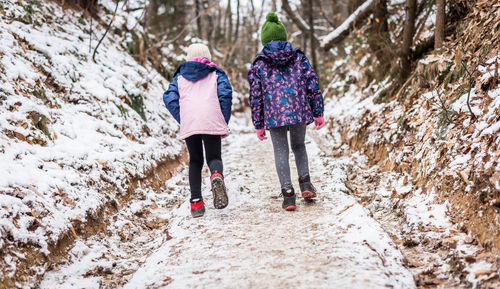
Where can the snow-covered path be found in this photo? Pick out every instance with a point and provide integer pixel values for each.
(253, 243)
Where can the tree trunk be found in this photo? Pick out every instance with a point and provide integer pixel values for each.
(323, 14)
(218, 28)
(311, 34)
(440, 15)
(210, 22)
(237, 20)
(344, 10)
(304, 27)
(229, 18)
(409, 31)
(198, 20)
(353, 5)
(379, 39)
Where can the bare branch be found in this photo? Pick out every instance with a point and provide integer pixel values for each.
(107, 29)
(352, 22)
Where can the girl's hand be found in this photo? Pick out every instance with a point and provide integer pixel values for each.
(261, 134)
(319, 122)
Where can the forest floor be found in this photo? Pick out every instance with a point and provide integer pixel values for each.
(253, 243)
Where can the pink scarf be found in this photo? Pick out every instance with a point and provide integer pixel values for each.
(203, 60)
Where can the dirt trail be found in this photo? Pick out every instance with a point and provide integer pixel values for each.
(253, 243)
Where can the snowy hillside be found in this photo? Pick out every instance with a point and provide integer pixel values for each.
(73, 133)
(432, 148)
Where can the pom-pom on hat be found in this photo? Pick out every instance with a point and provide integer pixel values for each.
(272, 29)
(198, 50)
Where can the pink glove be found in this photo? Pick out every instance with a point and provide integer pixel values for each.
(261, 134)
(319, 122)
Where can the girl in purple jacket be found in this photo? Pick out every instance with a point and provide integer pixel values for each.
(200, 98)
(285, 97)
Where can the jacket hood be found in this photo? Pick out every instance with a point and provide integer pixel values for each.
(195, 70)
(277, 52)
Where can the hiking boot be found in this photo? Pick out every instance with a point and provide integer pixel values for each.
(197, 208)
(288, 199)
(219, 190)
(306, 188)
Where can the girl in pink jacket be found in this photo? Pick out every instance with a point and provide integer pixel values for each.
(200, 98)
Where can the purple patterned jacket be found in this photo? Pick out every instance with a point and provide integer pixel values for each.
(284, 88)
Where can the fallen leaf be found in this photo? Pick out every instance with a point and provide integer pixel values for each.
(19, 136)
(471, 128)
(484, 272)
(436, 229)
(73, 231)
(345, 209)
(168, 235)
(15, 223)
(465, 176)
(102, 163)
(414, 263)
(470, 259)
(495, 179)
(69, 201)
(34, 190)
(458, 58)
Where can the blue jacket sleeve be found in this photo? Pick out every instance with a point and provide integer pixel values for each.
(314, 95)
(225, 94)
(171, 100)
(256, 98)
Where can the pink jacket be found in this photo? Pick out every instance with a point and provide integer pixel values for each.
(200, 109)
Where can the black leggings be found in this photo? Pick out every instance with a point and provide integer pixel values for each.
(213, 154)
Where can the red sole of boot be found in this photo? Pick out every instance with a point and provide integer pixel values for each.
(308, 195)
(290, 208)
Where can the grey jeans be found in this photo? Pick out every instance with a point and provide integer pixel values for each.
(281, 152)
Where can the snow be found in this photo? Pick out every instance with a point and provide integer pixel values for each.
(87, 150)
(460, 105)
(491, 69)
(421, 209)
(459, 160)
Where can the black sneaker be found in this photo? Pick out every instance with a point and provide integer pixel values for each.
(288, 200)
(306, 188)
(197, 208)
(219, 190)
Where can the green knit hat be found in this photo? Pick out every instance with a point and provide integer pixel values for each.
(272, 29)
